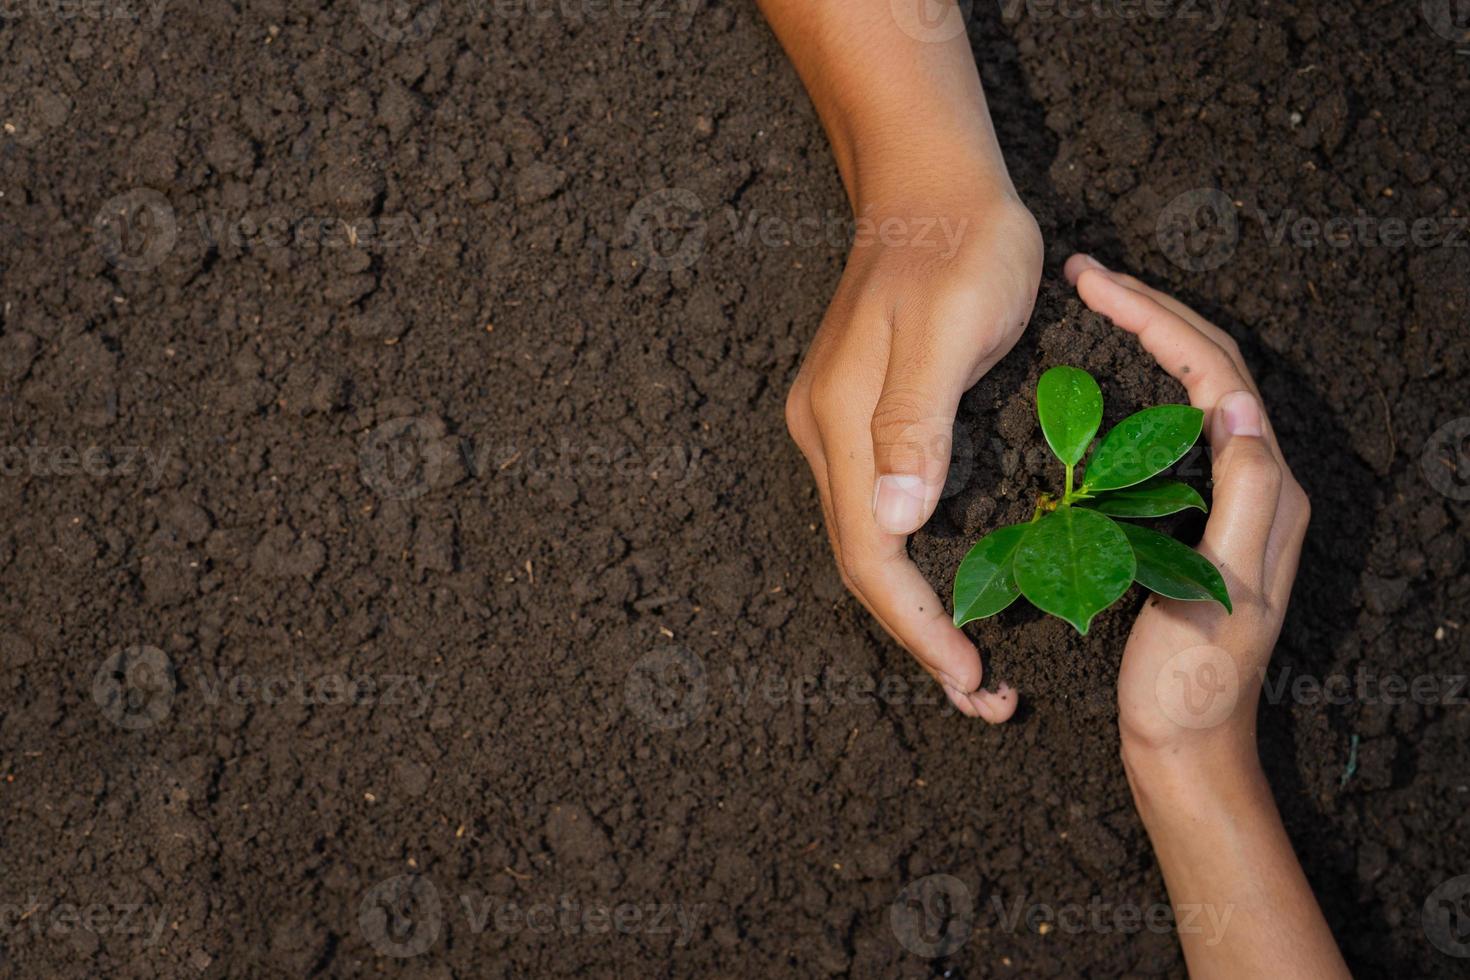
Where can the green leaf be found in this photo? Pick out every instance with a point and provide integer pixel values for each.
(1153, 498)
(1074, 563)
(1143, 444)
(986, 583)
(1172, 569)
(1069, 404)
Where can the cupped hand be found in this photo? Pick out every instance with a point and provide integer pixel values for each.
(934, 294)
(1192, 672)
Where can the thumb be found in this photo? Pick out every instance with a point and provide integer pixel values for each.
(1247, 487)
(913, 435)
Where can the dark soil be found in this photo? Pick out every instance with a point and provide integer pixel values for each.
(334, 557)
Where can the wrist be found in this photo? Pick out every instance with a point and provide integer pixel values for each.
(1196, 780)
(913, 171)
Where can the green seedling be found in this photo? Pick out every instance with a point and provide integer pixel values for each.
(1073, 559)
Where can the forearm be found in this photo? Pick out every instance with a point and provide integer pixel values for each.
(1243, 905)
(905, 115)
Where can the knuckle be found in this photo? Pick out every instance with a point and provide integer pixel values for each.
(1261, 468)
(1254, 466)
(852, 570)
(1295, 500)
(897, 411)
(861, 562)
(991, 329)
(1021, 233)
(798, 412)
(825, 399)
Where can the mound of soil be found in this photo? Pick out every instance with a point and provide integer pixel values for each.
(404, 566)
(1002, 464)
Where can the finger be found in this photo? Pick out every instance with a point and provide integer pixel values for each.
(802, 425)
(1200, 364)
(880, 574)
(1207, 371)
(912, 428)
(1283, 551)
(1080, 263)
(1248, 482)
(977, 704)
(937, 351)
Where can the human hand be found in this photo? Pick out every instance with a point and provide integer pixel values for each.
(1191, 672)
(939, 284)
(913, 325)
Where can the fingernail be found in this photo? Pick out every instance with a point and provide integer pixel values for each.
(1242, 414)
(961, 702)
(1092, 263)
(898, 503)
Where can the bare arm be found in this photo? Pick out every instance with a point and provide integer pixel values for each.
(924, 308)
(899, 94)
(1231, 871)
